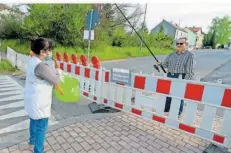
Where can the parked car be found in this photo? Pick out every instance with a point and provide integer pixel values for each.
(208, 47)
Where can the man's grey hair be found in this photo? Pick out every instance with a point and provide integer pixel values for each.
(184, 38)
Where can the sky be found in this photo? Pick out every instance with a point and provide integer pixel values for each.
(187, 14)
(190, 13)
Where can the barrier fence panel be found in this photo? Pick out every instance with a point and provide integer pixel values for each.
(146, 97)
(202, 100)
(203, 123)
(17, 60)
(90, 85)
(21, 62)
(11, 56)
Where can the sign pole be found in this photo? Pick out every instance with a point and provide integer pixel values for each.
(89, 40)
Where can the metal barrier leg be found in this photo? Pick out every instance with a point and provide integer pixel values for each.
(229, 149)
(215, 149)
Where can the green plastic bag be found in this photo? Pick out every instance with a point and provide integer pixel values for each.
(71, 89)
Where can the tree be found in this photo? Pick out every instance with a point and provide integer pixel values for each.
(207, 40)
(222, 26)
(119, 37)
(213, 40)
(10, 26)
(114, 17)
(62, 22)
(145, 27)
(38, 21)
(161, 35)
(161, 29)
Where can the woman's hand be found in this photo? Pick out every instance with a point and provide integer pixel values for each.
(56, 62)
(60, 90)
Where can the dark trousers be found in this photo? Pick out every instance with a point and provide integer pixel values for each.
(169, 99)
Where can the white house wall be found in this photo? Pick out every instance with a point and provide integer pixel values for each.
(180, 34)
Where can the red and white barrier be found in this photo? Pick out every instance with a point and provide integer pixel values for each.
(88, 76)
(150, 94)
(211, 96)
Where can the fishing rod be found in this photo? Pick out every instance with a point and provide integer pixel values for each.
(139, 37)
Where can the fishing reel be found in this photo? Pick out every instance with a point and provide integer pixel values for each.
(156, 67)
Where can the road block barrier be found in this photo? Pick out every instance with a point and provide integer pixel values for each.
(207, 109)
(207, 112)
(17, 60)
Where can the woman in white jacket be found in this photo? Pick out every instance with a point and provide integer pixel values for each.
(40, 79)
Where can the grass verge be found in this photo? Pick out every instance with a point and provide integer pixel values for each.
(6, 67)
(104, 52)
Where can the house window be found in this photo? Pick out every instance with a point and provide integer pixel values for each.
(181, 34)
(166, 31)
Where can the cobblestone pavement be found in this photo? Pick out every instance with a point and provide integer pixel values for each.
(124, 133)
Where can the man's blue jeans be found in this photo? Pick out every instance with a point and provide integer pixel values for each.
(38, 130)
(169, 99)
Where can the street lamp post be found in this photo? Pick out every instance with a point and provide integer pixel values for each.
(141, 43)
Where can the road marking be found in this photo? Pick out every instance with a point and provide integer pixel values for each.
(7, 85)
(5, 82)
(11, 92)
(15, 94)
(13, 105)
(13, 88)
(17, 97)
(19, 113)
(21, 126)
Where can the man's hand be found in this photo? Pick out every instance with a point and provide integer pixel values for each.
(159, 62)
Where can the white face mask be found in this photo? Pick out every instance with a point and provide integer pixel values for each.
(49, 55)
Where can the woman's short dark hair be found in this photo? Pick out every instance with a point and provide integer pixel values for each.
(51, 44)
(38, 44)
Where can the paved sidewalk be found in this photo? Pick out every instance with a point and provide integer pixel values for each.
(123, 133)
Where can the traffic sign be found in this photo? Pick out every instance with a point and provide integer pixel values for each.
(92, 19)
(122, 76)
(86, 35)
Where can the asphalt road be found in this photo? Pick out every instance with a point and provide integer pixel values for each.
(206, 62)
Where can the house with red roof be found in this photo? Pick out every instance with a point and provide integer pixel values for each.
(199, 36)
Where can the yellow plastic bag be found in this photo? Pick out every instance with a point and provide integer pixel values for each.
(70, 87)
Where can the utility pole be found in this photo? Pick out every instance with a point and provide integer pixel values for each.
(141, 43)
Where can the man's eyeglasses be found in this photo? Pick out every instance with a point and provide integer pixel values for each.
(179, 44)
